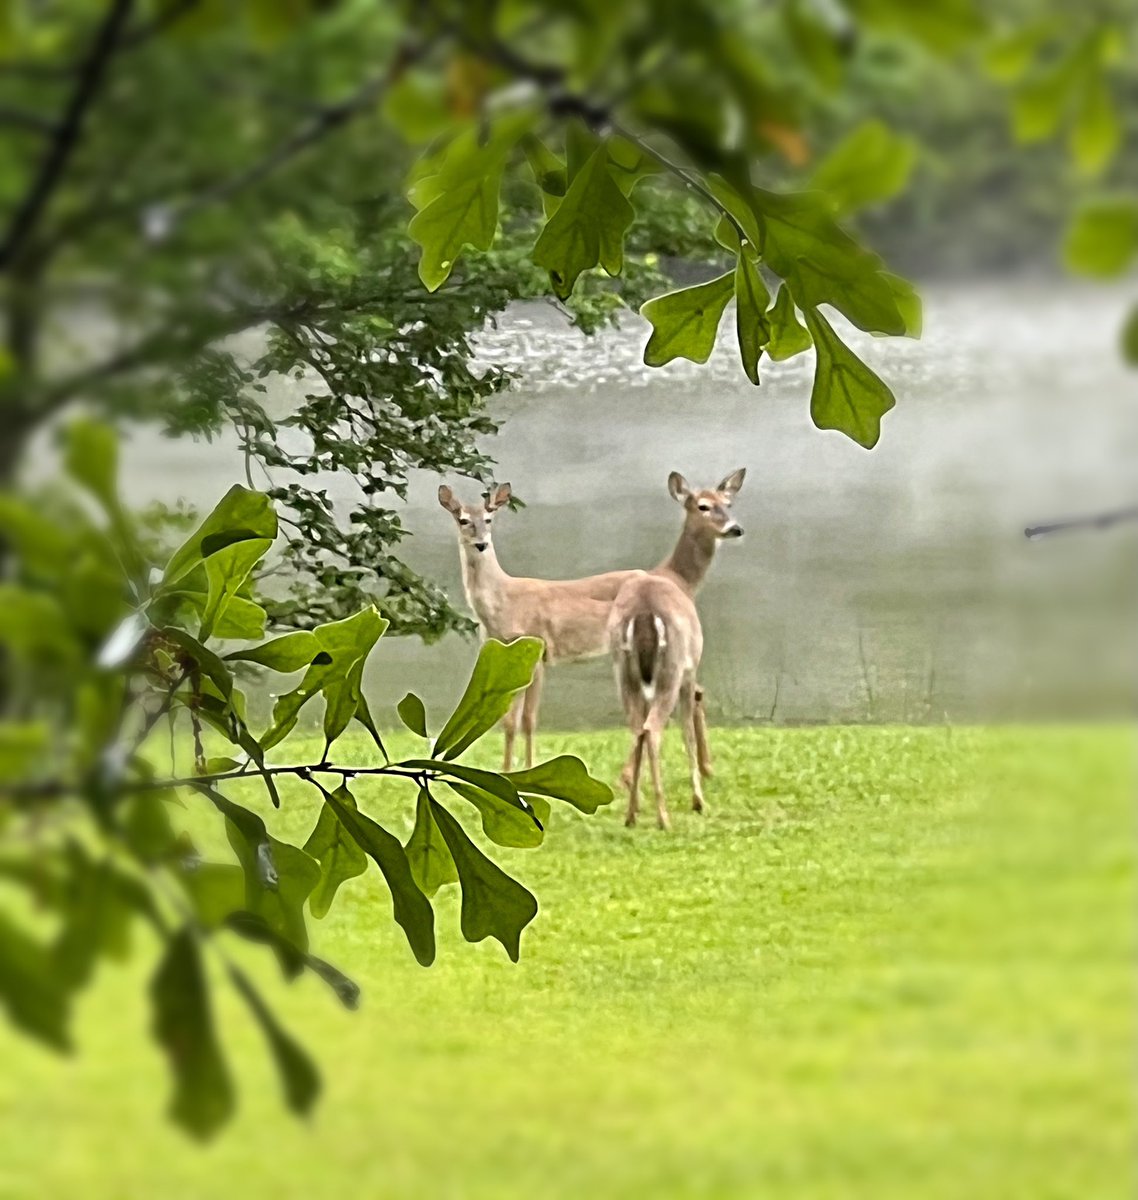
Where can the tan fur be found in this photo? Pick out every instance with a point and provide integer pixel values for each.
(571, 615)
(656, 642)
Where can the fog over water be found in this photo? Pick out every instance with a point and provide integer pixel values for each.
(890, 585)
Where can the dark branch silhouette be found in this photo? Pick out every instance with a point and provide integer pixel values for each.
(1097, 521)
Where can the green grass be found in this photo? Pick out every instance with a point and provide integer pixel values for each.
(890, 963)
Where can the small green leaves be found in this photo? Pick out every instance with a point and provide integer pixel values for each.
(338, 853)
(499, 674)
(493, 904)
(337, 672)
(413, 714)
(821, 262)
(787, 337)
(431, 863)
(872, 164)
(458, 202)
(685, 322)
(285, 654)
(278, 877)
(298, 1073)
(1096, 131)
(563, 778)
(30, 987)
(241, 515)
(1103, 237)
(588, 227)
(183, 1026)
(751, 324)
(847, 395)
(412, 909)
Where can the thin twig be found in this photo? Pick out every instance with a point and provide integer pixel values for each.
(1097, 521)
(68, 135)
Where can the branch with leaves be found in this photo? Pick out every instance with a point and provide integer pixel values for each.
(106, 645)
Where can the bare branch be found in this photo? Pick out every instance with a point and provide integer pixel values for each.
(1098, 521)
(68, 135)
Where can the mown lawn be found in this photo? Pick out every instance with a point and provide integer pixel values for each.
(890, 963)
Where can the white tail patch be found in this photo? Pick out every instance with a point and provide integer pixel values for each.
(627, 645)
(661, 634)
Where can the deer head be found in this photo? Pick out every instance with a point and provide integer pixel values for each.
(709, 509)
(474, 520)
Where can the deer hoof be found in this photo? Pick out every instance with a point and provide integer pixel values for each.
(697, 804)
(630, 820)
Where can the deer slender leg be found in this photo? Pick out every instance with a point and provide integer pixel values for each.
(688, 704)
(529, 711)
(699, 718)
(653, 738)
(510, 725)
(634, 779)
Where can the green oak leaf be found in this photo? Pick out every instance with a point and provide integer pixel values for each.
(240, 515)
(337, 852)
(286, 654)
(183, 1026)
(500, 673)
(588, 227)
(493, 904)
(751, 324)
(413, 714)
(685, 322)
(563, 778)
(427, 853)
(847, 395)
(503, 823)
(1102, 238)
(788, 337)
(412, 909)
(870, 165)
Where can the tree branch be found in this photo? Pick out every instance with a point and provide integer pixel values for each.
(1098, 521)
(322, 122)
(68, 135)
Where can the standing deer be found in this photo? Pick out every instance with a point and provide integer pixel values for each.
(656, 642)
(571, 615)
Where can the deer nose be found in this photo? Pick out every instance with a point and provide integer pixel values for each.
(480, 546)
(734, 531)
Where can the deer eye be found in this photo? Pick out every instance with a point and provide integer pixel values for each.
(464, 520)
(705, 508)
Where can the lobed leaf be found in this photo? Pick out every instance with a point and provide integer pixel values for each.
(788, 336)
(500, 673)
(870, 165)
(847, 395)
(751, 325)
(588, 227)
(338, 853)
(685, 322)
(563, 778)
(432, 865)
(183, 1026)
(412, 909)
(493, 904)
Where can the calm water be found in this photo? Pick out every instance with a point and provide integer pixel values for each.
(891, 585)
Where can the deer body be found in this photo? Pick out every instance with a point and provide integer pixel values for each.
(571, 615)
(656, 642)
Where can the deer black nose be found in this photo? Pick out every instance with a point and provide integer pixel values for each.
(480, 546)
(734, 531)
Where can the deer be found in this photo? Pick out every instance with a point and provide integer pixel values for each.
(656, 642)
(571, 615)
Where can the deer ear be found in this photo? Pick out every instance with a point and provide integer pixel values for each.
(498, 496)
(447, 499)
(678, 486)
(733, 482)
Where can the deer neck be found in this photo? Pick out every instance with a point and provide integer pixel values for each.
(482, 579)
(690, 561)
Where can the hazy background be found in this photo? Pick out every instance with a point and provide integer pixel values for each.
(892, 585)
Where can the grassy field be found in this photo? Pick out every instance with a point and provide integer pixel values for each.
(890, 963)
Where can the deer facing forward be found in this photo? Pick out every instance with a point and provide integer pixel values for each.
(571, 615)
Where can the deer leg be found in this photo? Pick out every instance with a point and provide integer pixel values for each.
(635, 760)
(510, 725)
(699, 721)
(653, 736)
(688, 704)
(529, 711)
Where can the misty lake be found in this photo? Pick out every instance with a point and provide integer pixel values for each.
(893, 585)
